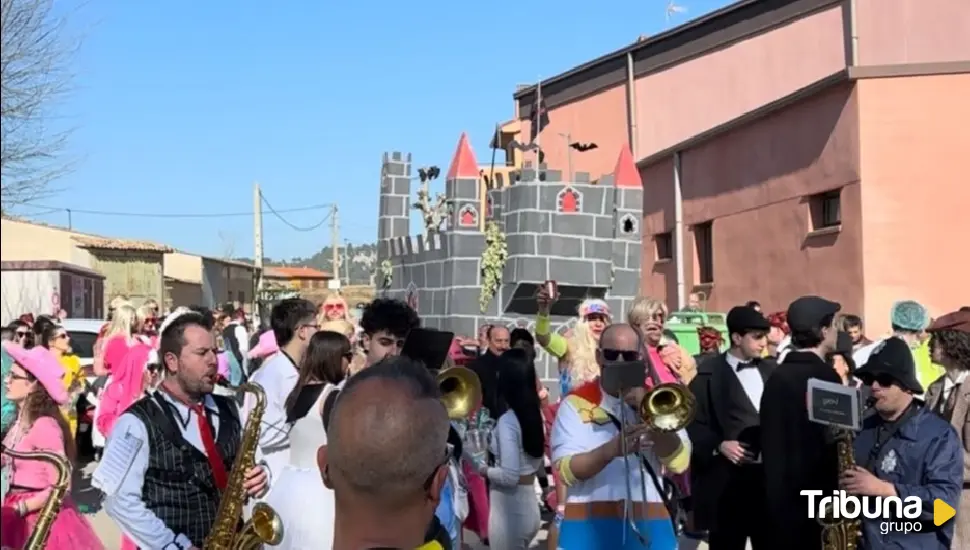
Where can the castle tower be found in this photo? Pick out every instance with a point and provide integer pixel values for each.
(628, 242)
(394, 214)
(462, 189)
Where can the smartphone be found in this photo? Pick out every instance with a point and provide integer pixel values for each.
(552, 289)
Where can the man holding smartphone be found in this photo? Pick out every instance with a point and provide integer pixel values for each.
(727, 477)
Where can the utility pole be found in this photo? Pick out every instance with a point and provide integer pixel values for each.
(335, 241)
(346, 261)
(258, 246)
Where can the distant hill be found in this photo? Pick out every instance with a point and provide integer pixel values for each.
(362, 259)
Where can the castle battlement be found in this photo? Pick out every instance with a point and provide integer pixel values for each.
(585, 236)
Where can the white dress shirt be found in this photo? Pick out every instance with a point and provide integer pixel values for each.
(123, 497)
(277, 376)
(950, 385)
(750, 378)
(572, 436)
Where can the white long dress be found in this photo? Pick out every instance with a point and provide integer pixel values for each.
(298, 495)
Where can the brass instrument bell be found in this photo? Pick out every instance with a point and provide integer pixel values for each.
(668, 407)
(461, 391)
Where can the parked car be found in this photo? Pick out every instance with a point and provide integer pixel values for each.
(84, 333)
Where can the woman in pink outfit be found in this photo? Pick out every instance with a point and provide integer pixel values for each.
(35, 384)
(131, 379)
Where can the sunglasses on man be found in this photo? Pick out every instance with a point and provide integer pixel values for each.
(884, 380)
(614, 355)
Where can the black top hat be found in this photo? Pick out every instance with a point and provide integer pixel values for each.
(892, 357)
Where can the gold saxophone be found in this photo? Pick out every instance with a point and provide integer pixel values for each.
(45, 518)
(841, 533)
(265, 526)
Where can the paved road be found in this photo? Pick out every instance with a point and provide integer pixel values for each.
(89, 500)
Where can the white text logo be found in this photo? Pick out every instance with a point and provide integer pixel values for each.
(893, 513)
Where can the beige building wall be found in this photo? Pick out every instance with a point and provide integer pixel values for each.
(915, 153)
(22, 241)
(184, 267)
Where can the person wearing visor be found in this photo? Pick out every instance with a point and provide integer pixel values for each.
(576, 354)
(904, 450)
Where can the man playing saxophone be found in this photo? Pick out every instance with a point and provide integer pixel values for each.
(169, 456)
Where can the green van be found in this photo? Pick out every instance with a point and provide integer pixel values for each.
(682, 326)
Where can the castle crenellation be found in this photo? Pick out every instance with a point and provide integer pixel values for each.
(585, 236)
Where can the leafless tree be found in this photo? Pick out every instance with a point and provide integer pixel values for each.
(228, 245)
(34, 76)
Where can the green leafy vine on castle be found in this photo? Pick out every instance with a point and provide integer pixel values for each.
(493, 263)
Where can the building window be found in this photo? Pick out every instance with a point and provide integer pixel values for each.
(489, 214)
(569, 201)
(665, 246)
(826, 209)
(704, 243)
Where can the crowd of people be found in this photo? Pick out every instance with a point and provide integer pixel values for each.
(356, 449)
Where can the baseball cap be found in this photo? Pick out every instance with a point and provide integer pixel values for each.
(808, 312)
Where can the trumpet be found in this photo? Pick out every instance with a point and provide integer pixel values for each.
(461, 391)
(48, 513)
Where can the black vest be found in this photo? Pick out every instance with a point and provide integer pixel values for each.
(179, 488)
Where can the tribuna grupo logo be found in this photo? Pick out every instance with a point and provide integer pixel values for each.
(895, 515)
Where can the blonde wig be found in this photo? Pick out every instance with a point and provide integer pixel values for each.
(123, 322)
(582, 366)
(645, 308)
(341, 326)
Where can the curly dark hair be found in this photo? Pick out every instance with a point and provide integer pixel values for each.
(953, 344)
(393, 316)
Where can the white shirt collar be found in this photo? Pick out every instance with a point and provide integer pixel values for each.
(950, 384)
(733, 361)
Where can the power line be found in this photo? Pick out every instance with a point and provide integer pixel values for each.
(53, 209)
(296, 227)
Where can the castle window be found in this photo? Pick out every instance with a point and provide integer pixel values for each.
(468, 216)
(628, 225)
(489, 213)
(569, 201)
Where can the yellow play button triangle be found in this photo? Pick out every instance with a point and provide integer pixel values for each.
(942, 512)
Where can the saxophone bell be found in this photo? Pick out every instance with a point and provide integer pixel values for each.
(265, 526)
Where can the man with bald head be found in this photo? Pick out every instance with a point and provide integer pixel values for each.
(386, 459)
(598, 462)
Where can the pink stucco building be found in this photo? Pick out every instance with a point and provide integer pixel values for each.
(788, 147)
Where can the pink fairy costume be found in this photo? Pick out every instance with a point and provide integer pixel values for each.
(126, 388)
(34, 479)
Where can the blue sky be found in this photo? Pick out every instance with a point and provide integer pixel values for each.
(181, 105)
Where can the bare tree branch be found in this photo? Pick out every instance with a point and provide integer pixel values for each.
(34, 76)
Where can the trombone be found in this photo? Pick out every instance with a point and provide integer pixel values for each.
(665, 408)
(461, 391)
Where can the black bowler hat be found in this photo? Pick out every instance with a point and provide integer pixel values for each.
(807, 313)
(746, 319)
(893, 358)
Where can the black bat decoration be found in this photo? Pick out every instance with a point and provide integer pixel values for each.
(583, 147)
(430, 173)
(524, 146)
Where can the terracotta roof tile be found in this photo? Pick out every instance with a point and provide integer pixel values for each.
(104, 243)
(302, 272)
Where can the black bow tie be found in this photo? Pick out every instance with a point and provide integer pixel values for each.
(751, 365)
